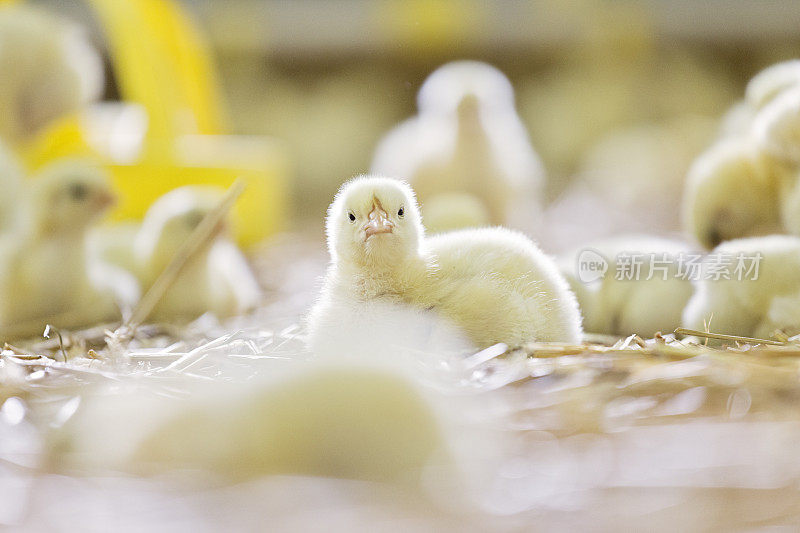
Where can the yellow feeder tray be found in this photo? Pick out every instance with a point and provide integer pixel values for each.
(168, 131)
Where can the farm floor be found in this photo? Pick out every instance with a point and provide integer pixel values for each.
(654, 435)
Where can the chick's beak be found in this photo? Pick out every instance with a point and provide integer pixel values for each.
(105, 200)
(378, 222)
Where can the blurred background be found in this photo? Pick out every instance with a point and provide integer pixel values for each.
(610, 91)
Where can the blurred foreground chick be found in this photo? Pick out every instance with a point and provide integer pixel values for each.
(217, 279)
(467, 139)
(641, 300)
(492, 283)
(334, 419)
(754, 302)
(46, 273)
(51, 70)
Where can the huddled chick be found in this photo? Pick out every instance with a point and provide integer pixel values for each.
(492, 283)
(764, 296)
(732, 191)
(217, 279)
(466, 139)
(642, 300)
(745, 184)
(46, 272)
(55, 70)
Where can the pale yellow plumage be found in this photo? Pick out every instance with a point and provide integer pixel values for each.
(492, 283)
(47, 273)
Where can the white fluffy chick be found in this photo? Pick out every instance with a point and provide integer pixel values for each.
(776, 127)
(492, 283)
(751, 307)
(765, 86)
(616, 305)
(55, 70)
(217, 279)
(732, 191)
(468, 139)
(46, 272)
(336, 419)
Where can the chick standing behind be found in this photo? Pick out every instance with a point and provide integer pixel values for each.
(466, 140)
(493, 284)
(46, 273)
(217, 279)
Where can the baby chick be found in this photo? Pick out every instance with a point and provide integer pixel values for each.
(493, 283)
(755, 305)
(55, 70)
(468, 139)
(771, 82)
(46, 272)
(217, 279)
(776, 128)
(719, 180)
(616, 305)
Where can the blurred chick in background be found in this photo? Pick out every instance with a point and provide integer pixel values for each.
(492, 283)
(46, 271)
(762, 301)
(50, 70)
(217, 279)
(744, 184)
(645, 304)
(466, 139)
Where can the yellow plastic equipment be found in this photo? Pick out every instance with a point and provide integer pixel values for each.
(168, 131)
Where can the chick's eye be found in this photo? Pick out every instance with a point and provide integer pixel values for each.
(352, 217)
(401, 212)
(78, 191)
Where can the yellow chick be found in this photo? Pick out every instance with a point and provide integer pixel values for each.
(732, 191)
(46, 272)
(492, 283)
(765, 86)
(755, 300)
(217, 279)
(642, 290)
(756, 158)
(776, 128)
(55, 70)
(468, 139)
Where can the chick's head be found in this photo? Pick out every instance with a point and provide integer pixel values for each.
(445, 89)
(771, 82)
(68, 196)
(732, 192)
(171, 220)
(374, 221)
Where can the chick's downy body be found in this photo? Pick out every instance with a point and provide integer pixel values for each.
(217, 279)
(46, 270)
(493, 284)
(758, 299)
